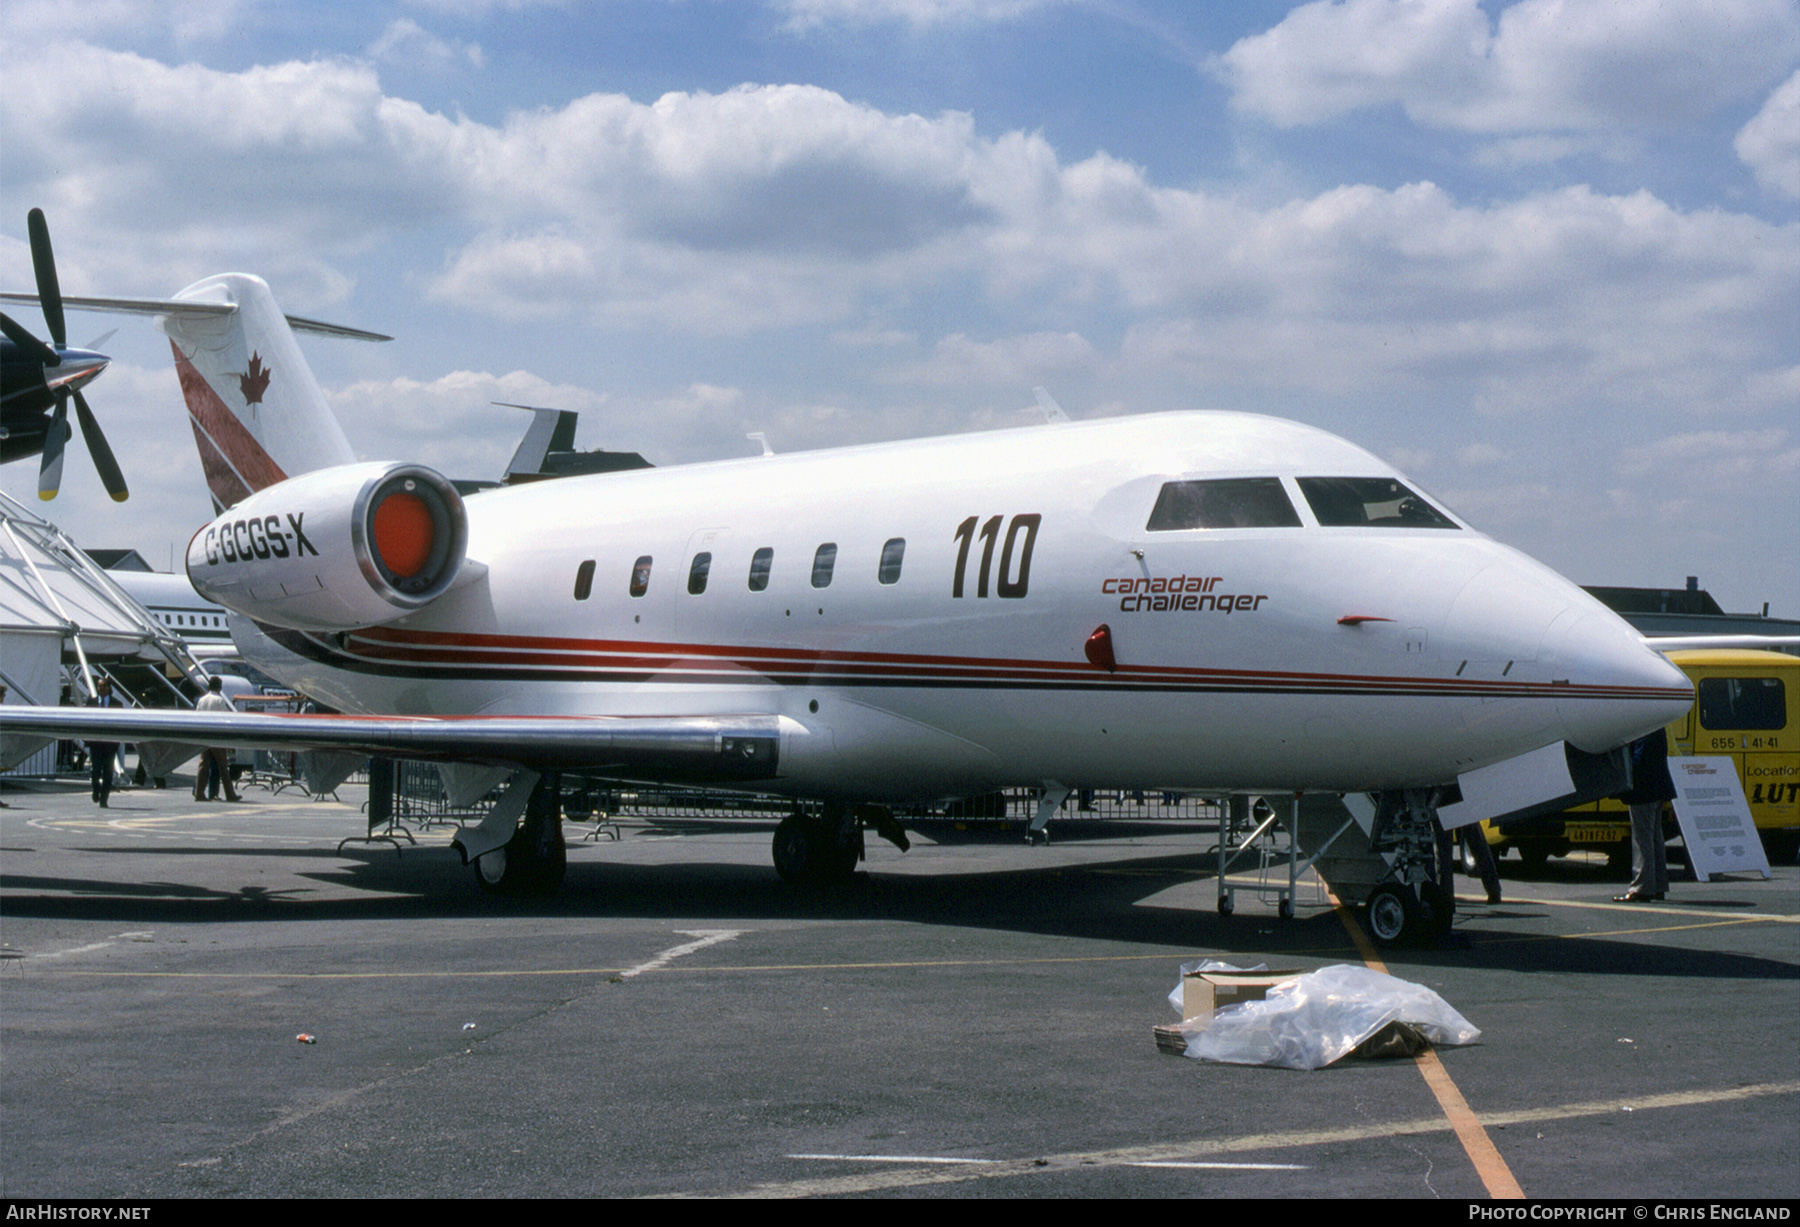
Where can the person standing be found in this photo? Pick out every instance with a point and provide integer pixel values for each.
(102, 753)
(215, 763)
(1650, 788)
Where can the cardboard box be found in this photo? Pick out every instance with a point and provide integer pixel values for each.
(1205, 992)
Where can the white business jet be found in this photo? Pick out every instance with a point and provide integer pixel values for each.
(1191, 601)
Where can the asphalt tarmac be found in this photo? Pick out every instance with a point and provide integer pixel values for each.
(971, 1018)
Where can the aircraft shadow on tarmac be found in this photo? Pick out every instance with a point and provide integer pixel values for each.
(1096, 900)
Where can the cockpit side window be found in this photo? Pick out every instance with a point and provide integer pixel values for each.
(1231, 502)
(1363, 502)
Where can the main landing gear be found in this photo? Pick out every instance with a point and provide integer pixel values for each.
(534, 859)
(823, 849)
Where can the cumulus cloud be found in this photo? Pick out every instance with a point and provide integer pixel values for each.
(1555, 65)
(406, 40)
(919, 14)
(41, 21)
(1718, 458)
(1770, 143)
(1012, 362)
(459, 423)
(767, 207)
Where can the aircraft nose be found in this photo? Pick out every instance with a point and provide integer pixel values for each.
(1617, 689)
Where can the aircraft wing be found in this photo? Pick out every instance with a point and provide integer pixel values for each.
(673, 749)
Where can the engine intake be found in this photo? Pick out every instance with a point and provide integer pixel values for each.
(337, 549)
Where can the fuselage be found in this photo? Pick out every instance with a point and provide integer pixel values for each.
(921, 613)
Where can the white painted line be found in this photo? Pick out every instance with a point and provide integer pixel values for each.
(706, 937)
(58, 954)
(894, 1159)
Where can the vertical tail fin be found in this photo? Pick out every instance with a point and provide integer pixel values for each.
(258, 414)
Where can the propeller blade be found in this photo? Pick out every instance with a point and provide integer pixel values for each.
(43, 263)
(50, 467)
(24, 340)
(104, 463)
(108, 468)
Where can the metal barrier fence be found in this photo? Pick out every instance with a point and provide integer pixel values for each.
(419, 797)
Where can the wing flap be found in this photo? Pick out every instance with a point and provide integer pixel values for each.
(672, 749)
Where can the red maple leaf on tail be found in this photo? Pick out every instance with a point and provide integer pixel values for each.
(255, 381)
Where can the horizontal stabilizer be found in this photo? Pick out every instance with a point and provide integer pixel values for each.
(174, 306)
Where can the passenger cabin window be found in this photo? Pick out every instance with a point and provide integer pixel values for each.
(640, 576)
(759, 568)
(1733, 703)
(891, 555)
(1360, 502)
(1231, 502)
(824, 559)
(584, 580)
(697, 573)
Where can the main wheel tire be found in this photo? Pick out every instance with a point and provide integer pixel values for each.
(491, 873)
(552, 864)
(836, 866)
(521, 866)
(1392, 914)
(798, 843)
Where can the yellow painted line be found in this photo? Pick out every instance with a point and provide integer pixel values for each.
(1495, 1175)
(1642, 909)
(1197, 1150)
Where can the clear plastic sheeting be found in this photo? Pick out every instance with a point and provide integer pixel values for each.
(1319, 1018)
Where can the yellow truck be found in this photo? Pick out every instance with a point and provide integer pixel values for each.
(1746, 708)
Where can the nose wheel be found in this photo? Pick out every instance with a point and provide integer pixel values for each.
(1396, 916)
(1392, 914)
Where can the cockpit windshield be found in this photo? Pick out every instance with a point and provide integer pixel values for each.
(1364, 502)
(1232, 502)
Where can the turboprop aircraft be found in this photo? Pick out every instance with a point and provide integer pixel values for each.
(1196, 601)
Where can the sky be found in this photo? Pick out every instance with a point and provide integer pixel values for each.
(1543, 256)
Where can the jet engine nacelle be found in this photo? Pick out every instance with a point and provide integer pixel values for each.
(335, 549)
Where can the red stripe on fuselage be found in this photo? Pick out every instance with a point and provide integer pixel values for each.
(720, 661)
